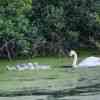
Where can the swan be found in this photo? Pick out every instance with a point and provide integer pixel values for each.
(30, 66)
(10, 68)
(21, 67)
(87, 62)
(44, 66)
(41, 66)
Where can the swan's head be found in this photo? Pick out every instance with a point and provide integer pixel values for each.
(72, 52)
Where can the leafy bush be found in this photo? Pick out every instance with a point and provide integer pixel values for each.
(14, 22)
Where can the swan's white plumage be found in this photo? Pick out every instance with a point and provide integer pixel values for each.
(88, 62)
(41, 66)
(28, 66)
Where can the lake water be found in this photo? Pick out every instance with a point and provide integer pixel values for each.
(87, 87)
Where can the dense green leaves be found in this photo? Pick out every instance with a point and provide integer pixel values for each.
(42, 27)
(63, 21)
(14, 23)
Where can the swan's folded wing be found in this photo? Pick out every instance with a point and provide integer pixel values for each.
(89, 62)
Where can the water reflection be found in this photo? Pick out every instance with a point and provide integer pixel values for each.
(86, 87)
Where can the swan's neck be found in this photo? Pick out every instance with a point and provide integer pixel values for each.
(75, 60)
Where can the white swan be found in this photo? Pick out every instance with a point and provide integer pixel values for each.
(21, 67)
(10, 68)
(30, 66)
(41, 66)
(88, 62)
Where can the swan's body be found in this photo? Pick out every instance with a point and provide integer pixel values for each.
(88, 62)
(44, 66)
(28, 66)
(21, 67)
(10, 68)
(41, 66)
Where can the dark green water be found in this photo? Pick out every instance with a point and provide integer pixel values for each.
(87, 87)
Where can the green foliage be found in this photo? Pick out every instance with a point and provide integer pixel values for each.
(98, 18)
(63, 21)
(14, 22)
(97, 6)
(44, 27)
